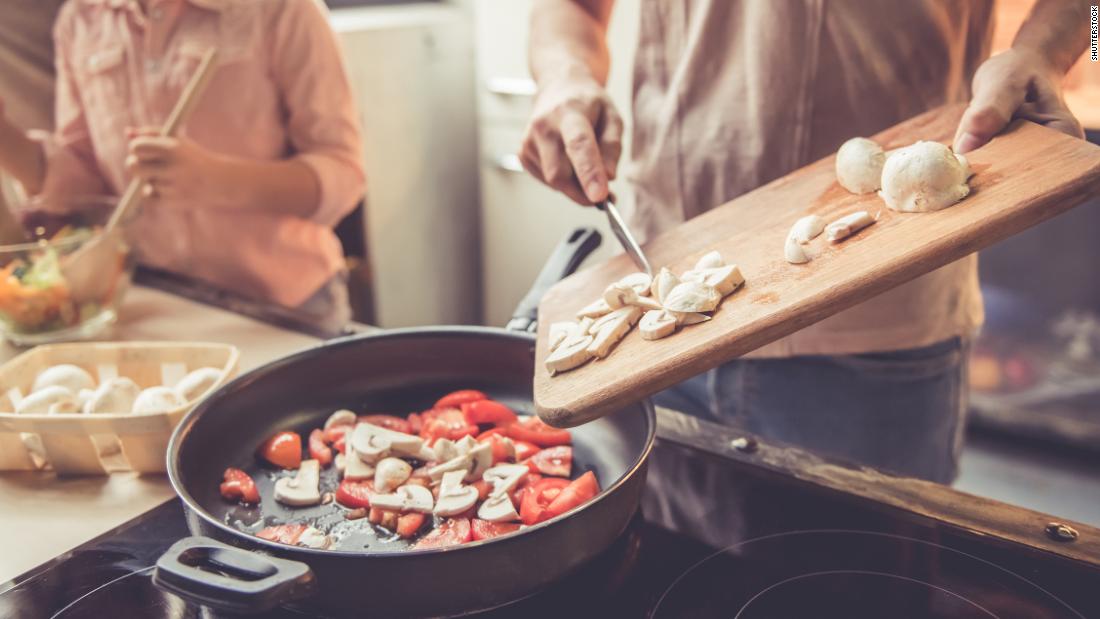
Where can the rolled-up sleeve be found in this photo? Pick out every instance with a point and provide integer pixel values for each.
(309, 68)
(71, 167)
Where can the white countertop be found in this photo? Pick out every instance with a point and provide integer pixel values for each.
(49, 515)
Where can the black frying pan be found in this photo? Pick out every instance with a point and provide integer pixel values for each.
(396, 371)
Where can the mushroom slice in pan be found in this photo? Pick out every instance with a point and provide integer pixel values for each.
(693, 296)
(611, 332)
(710, 260)
(663, 284)
(498, 508)
(481, 458)
(355, 468)
(444, 449)
(595, 309)
(454, 497)
(807, 228)
(848, 225)
(302, 489)
(407, 498)
(390, 473)
(370, 441)
(461, 463)
(657, 324)
(570, 354)
(341, 417)
(725, 279)
(505, 477)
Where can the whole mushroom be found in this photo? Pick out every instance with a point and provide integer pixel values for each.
(923, 177)
(859, 165)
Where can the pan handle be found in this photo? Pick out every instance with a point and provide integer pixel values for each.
(224, 577)
(564, 260)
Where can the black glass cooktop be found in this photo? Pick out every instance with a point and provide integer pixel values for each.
(773, 549)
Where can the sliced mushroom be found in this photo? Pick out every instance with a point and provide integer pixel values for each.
(117, 395)
(342, 417)
(618, 294)
(693, 296)
(444, 449)
(481, 458)
(462, 464)
(197, 383)
(71, 377)
(632, 313)
(687, 319)
(584, 324)
(302, 489)
(390, 473)
(454, 497)
(355, 468)
(572, 353)
(595, 309)
(466, 444)
(407, 498)
(657, 324)
(640, 282)
(807, 228)
(559, 331)
(725, 279)
(373, 442)
(663, 284)
(498, 508)
(847, 226)
(610, 333)
(793, 252)
(313, 537)
(505, 477)
(157, 400)
(711, 260)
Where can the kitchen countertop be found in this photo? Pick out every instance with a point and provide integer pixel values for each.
(51, 515)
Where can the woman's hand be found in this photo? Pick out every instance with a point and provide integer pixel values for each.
(574, 139)
(175, 168)
(1017, 83)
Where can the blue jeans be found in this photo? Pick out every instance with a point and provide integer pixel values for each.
(900, 411)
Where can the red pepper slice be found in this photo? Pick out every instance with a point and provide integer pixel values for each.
(488, 412)
(318, 450)
(283, 533)
(456, 399)
(354, 494)
(533, 430)
(238, 486)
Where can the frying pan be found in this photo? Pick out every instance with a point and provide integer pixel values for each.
(395, 371)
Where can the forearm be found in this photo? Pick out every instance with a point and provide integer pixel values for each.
(286, 187)
(568, 40)
(1057, 30)
(22, 157)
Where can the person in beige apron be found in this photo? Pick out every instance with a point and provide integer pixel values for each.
(730, 94)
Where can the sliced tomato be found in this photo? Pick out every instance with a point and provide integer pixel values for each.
(456, 399)
(415, 423)
(483, 489)
(318, 450)
(522, 487)
(408, 525)
(533, 430)
(488, 412)
(504, 450)
(284, 449)
(483, 529)
(238, 486)
(336, 433)
(282, 533)
(354, 494)
(445, 423)
(524, 450)
(555, 461)
(452, 532)
(579, 491)
(390, 422)
(537, 498)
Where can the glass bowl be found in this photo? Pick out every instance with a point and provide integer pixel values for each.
(67, 284)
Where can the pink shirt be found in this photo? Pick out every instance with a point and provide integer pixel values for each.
(280, 91)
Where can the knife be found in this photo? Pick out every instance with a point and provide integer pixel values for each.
(623, 234)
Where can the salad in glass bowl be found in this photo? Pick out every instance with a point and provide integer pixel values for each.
(67, 283)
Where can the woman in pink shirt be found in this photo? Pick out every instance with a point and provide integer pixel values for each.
(270, 160)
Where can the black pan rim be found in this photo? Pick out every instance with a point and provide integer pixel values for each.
(180, 434)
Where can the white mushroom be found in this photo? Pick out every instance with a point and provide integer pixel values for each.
(313, 537)
(355, 468)
(847, 226)
(72, 377)
(302, 489)
(498, 508)
(197, 383)
(84, 395)
(390, 473)
(341, 417)
(640, 282)
(572, 353)
(711, 260)
(693, 296)
(687, 319)
(631, 313)
(157, 400)
(117, 395)
(444, 449)
(39, 402)
(63, 407)
(505, 477)
(481, 458)
(657, 324)
(466, 444)
(793, 252)
(807, 228)
(663, 284)
(617, 295)
(454, 497)
(595, 309)
(859, 165)
(725, 279)
(923, 177)
(407, 498)
(340, 462)
(611, 332)
(462, 463)
(559, 331)
(374, 442)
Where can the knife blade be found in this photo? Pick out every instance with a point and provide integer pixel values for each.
(626, 239)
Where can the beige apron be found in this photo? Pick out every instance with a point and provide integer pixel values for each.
(730, 94)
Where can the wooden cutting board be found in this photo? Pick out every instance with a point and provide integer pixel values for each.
(1024, 176)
